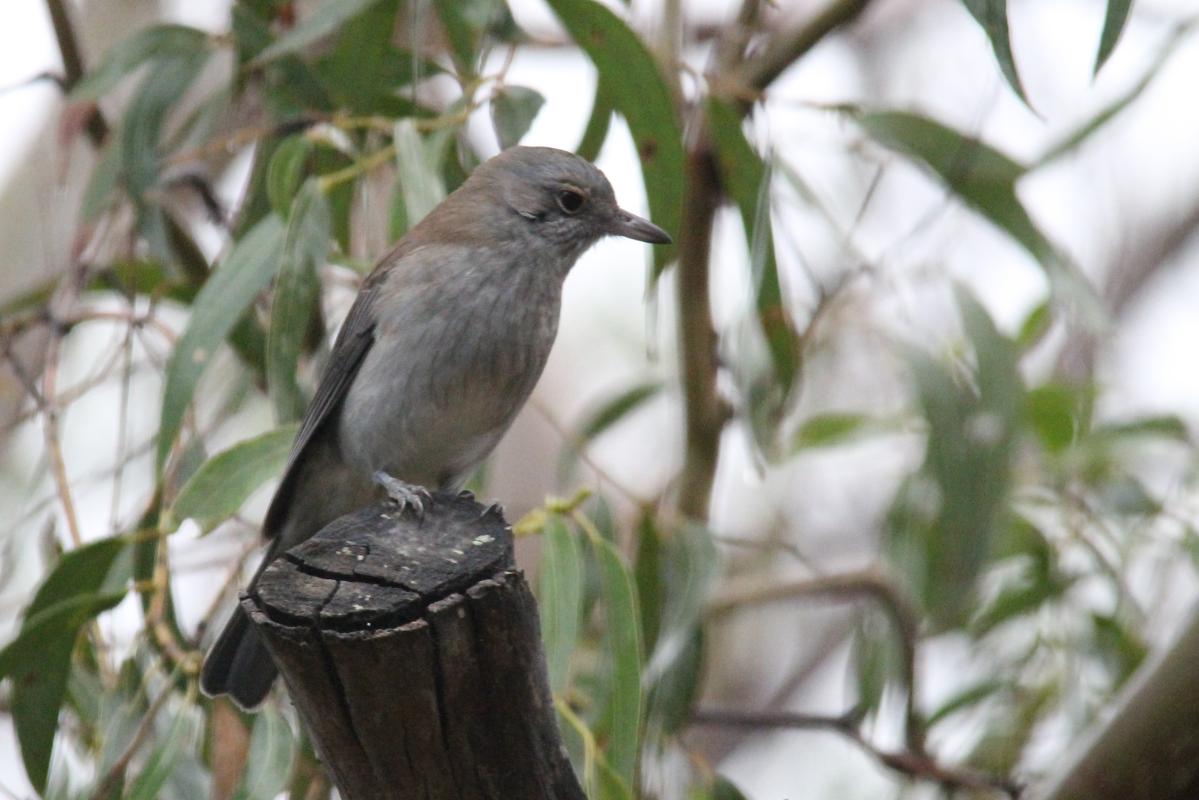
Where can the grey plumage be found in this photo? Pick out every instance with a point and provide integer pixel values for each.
(445, 341)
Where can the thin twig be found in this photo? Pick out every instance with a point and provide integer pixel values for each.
(111, 778)
(156, 615)
(58, 465)
(579, 448)
(912, 764)
(869, 583)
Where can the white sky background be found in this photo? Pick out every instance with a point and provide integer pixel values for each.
(926, 55)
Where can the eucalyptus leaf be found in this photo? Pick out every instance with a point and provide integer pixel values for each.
(985, 179)
(159, 41)
(991, 15)
(141, 130)
(598, 124)
(747, 178)
(38, 662)
(224, 482)
(421, 186)
(326, 17)
(84, 583)
(831, 429)
(1078, 136)
(101, 191)
(163, 759)
(622, 652)
(634, 84)
(1113, 26)
(513, 109)
(297, 291)
(272, 753)
(560, 595)
(227, 293)
(285, 173)
(946, 517)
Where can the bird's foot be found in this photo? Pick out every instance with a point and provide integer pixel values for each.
(405, 495)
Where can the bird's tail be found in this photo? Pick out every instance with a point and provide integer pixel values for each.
(238, 664)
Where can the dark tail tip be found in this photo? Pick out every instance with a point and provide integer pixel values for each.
(238, 665)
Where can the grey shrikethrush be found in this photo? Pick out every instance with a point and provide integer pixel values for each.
(445, 341)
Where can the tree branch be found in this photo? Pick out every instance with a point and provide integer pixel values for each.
(72, 62)
(786, 48)
(704, 410)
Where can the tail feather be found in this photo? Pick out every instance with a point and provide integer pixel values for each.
(238, 664)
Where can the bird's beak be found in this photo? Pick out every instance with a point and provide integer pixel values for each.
(632, 226)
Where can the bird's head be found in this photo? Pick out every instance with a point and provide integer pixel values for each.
(555, 199)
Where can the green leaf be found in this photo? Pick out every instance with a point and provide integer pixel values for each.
(560, 584)
(597, 125)
(1054, 411)
(272, 752)
(467, 23)
(1126, 496)
(163, 760)
(964, 699)
(285, 172)
(141, 129)
(875, 658)
(747, 179)
(648, 574)
(622, 652)
(297, 291)
(831, 429)
(991, 15)
(224, 482)
(1168, 426)
(291, 88)
(513, 109)
(676, 571)
(1113, 26)
(946, 517)
(84, 583)
(724, 789)
(1078, 136)
(985, 179)
(421, 186)
(228, 292)
(1035, 326)
(325, 18)
(102, 185)
(632, 80)
(1119, 644)
(616, 408)
(1023, 596)
(159, 41)
(364, 70)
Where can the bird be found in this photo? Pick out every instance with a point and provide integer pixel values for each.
(441, 348)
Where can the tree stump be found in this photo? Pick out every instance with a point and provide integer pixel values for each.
(412, 650)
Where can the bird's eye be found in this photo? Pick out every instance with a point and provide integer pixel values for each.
(570, 201)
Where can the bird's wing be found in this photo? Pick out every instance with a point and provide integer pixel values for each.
(353, 342)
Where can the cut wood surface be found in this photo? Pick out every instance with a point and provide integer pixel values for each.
(411, 648)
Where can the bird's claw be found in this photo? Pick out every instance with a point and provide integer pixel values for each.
(405, 495)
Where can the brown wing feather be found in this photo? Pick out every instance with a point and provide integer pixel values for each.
(353, 343)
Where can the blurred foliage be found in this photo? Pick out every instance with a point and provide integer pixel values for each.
(1023, 493)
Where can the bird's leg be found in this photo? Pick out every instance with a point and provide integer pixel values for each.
(406, 495)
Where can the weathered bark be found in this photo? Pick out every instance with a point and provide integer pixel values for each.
(1149, 748)
(411, 649)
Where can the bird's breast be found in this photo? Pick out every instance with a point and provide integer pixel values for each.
(448, 371)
